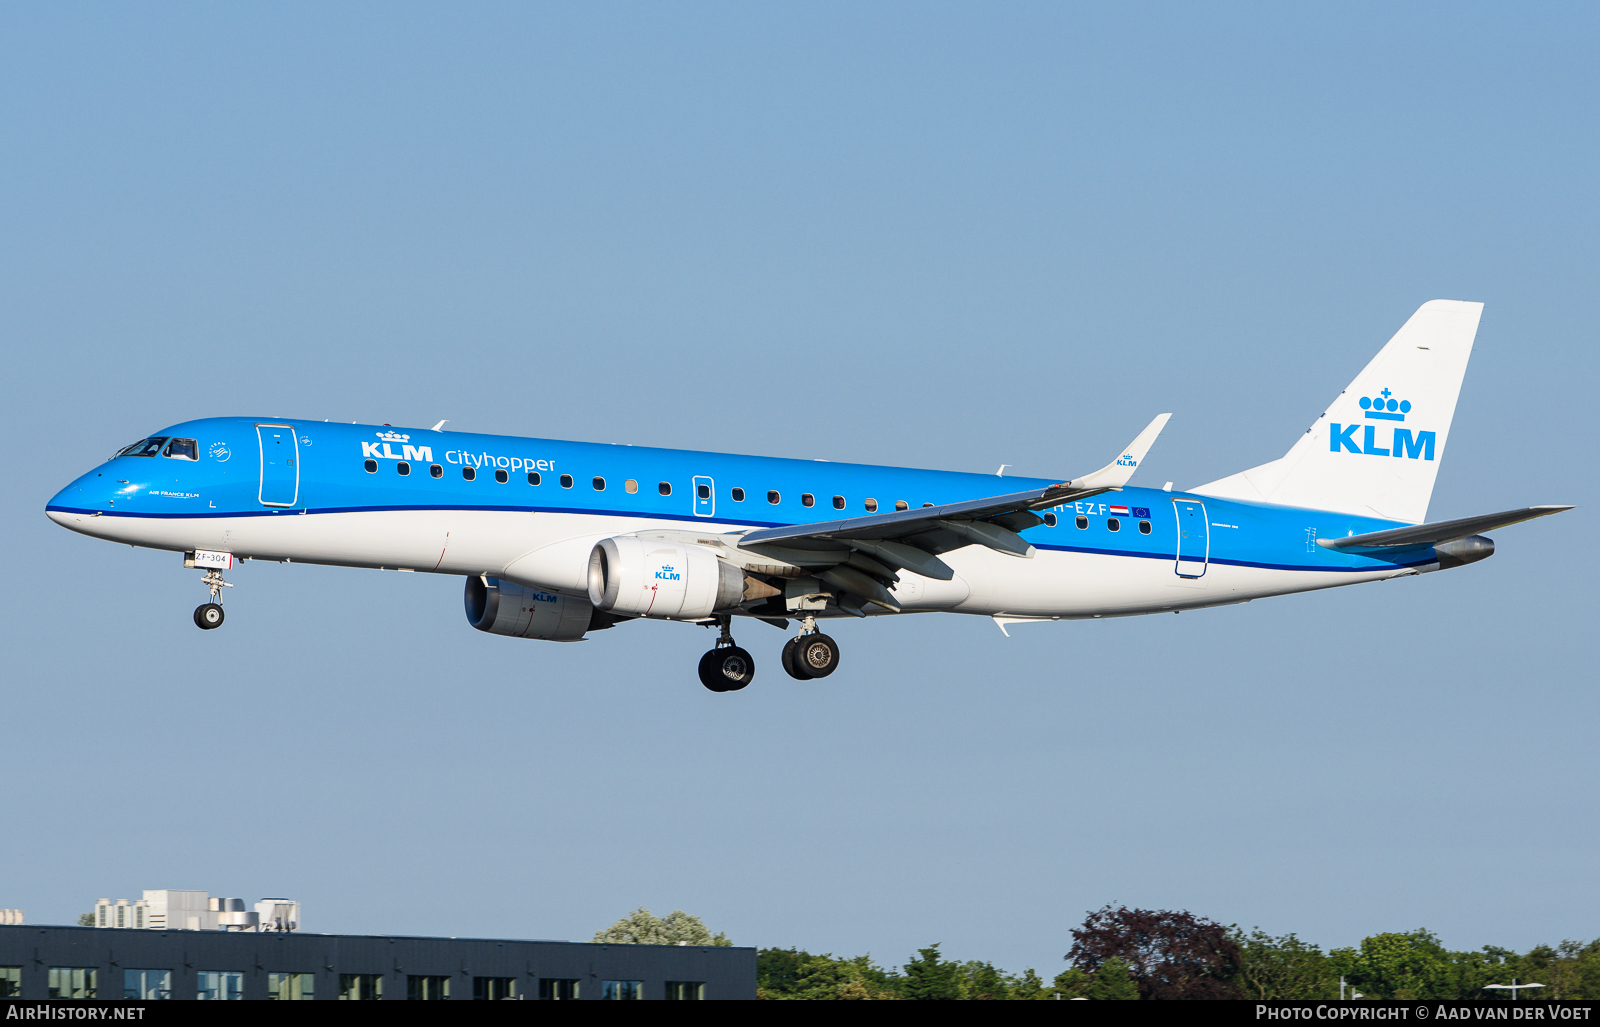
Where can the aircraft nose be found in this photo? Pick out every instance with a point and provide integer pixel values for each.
(78, 501)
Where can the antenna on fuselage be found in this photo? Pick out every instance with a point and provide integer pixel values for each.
(441, 424)
(1001, 473)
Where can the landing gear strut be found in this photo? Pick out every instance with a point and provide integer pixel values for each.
(726, 668)
(810, 654)
(209, 615)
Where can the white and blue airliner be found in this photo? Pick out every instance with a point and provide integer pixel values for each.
(557, 539)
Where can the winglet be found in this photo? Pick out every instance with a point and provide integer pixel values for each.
(1117, 472)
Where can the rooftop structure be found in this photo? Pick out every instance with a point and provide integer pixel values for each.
(170, 909)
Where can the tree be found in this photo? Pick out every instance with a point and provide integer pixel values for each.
(1112, 981)
(1072, 983)
(1171, 954)
(931, 977)
(1405, 966)
(794, 974)
(1283, 968)
(641, 927)
(85, 919)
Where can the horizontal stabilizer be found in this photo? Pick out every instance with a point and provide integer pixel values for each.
(1439, 531)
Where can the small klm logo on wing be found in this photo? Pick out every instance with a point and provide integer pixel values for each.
(1402, 442)
(1127, 460)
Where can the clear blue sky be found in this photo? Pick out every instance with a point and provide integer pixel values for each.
(937, 235)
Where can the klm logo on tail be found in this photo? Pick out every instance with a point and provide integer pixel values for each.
(1382, 407)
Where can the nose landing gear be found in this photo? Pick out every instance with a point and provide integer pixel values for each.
(726, 668)
(810, 654)
(209, 615)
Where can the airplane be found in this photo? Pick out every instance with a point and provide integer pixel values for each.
(558, 539)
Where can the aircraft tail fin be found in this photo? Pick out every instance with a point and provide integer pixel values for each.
(1376, 450)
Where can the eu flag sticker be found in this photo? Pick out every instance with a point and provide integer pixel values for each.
(1141, 511)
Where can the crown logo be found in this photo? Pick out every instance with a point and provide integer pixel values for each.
(1383, 407)
(394, 436)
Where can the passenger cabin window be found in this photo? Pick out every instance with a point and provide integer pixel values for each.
(773, 497)
(807, 499)
(1049, 520)
(533, 477)
(901, 504)
(1082, 522)
(435, 471)
(469, 473)
(599, 484)
(1112, 524)
(1144, 527)
(738, 495)
(630, 486)
(665, 488)
(144, 447)
(566, 481)
(502, 477)
(872, 506)
(926, 505)
(838, 502)
(402, 468)
(183, 449)
(703, 491)
(371, 466)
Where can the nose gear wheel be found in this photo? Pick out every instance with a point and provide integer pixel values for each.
(209, 615)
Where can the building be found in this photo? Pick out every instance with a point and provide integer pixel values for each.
(11, 916)
(130, 963)
(170, 909)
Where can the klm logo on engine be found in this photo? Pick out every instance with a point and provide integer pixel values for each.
(381, 450)
(1401, 441)
(667, 572)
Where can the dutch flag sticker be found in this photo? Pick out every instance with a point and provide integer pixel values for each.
(1122, 510)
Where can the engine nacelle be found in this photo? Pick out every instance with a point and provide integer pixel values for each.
(502, 608)
(641, 577)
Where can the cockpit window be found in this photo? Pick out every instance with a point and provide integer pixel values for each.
(144, 447)
(183, 449)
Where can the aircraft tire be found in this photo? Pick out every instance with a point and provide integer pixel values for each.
(727, 669)
(208, 616)
(817, 655)
(790, 667)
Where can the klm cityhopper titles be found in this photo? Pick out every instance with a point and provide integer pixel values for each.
(557, 539)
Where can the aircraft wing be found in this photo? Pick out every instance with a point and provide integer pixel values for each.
(1439, 531)
(914, 538)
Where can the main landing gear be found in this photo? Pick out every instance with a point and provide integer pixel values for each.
(209, 615)
(728, 668)
(810, 654)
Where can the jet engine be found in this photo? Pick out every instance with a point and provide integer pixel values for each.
(503, 608)
(638, 577)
